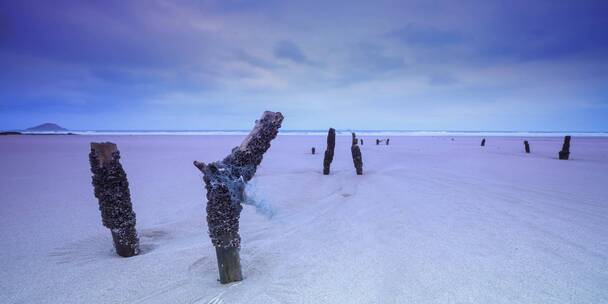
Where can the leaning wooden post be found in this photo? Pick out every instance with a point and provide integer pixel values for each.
(356, 153)
(387, 140)
(565, 152)
(483, 142)
(313, 150)
(329, 153)
(377, 141)
(225, 183)
(527, 146)
(112, 190)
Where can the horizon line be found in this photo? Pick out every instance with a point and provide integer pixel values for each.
(310, 130)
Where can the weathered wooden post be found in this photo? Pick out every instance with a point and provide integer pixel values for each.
(377, 141)
(361, 140)
(329, 153)
(565, 152)
(112, 191)
(483, 142)
(313, 150)
(356, 153)
(225, 183)
(527, 146)
(387, 140)
(355, 140)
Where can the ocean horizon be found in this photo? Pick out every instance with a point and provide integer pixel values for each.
(339, 132)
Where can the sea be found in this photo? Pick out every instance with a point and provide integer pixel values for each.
(344, 132)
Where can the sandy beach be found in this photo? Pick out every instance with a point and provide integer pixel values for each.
(432, 220)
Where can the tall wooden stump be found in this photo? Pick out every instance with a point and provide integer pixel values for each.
(387, 140)
(313, 150)
(483, 142)
(565, 152)
(361, 140)
(358, 162)
(229, 264)
(225, 183)
(112, 191)
(527, 146)
(329, 153)
(377, 141)
(356, 153)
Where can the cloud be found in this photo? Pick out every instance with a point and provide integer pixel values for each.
(243, 56)
(373, 58)
(288, 50)
(380, 65)
(417, 35)
(442, 80)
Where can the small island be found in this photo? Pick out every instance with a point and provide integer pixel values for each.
(42, 129)
(46, 127)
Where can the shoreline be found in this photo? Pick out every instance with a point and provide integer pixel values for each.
(323, 133)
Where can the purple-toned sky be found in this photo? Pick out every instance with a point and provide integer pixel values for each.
(407, 65)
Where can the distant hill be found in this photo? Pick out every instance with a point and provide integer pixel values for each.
(46, 127)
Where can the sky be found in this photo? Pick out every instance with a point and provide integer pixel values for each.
(217, 65)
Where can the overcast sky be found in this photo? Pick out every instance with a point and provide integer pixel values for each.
(400, 65)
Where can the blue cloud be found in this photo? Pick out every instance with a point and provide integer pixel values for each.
(288, 50)
(425, 36)
(209, 64)
(442, 79)
(243, 56)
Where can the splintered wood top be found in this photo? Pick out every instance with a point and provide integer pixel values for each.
(103, 151)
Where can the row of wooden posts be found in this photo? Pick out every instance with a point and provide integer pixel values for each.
(329, 152)
(378, 141)
(224, 181)
(563, 154)
(355, 151)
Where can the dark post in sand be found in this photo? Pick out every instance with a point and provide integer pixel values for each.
(356, 153)
(483, 142)
(329, 153)
(377, 141)
(527, 146)
(565, 152)
(225, 183)
(313, 150)
(387, 140)
(361, 140)
(112, 190)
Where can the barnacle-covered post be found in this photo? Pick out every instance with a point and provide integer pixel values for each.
(483, 142)
(356, 153)
(112, 190)
(527, 146)
(225, 183)
(329, 153)
(565, 152)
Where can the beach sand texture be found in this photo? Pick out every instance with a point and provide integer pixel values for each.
(431, 220)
